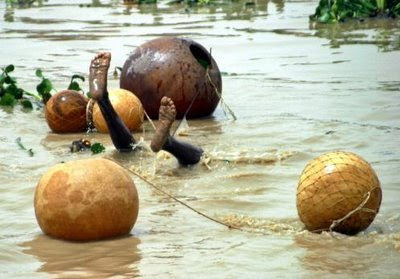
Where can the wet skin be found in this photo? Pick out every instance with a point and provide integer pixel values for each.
(187, 154)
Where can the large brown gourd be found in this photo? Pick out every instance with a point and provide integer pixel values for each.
(176, 68)
(87, 199)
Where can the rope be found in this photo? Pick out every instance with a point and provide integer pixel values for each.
(220, 96)
(179, 201)
(335, 223)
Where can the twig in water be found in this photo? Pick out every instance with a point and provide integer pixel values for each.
(220, 96)
(148, 118)
(19, 143)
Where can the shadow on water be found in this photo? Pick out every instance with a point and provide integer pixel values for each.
(116, 257)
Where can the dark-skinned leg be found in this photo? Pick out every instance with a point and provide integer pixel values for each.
(120, 134)
(186, 153)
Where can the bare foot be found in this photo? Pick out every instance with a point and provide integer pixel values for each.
(98, 75)
(166, 117)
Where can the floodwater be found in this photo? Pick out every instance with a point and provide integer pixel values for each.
(298, 90)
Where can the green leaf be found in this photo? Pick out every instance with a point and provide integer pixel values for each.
(7, 100)
(74, 86)
(12, 89)
(97, 148)
(44, 88)
(2, 78)
(9, 80)
(26, 104)
(77, 77)
(9, 68)
(203, 63)
(39, 73)
(325, 18)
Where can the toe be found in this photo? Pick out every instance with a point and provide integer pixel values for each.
(164, 101)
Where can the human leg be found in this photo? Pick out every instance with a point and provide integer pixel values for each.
(120, 134)
(186, 153)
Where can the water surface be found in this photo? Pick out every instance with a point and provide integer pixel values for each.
(298, 90)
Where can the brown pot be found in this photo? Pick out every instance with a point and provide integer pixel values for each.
(65, 112)
(170, 67)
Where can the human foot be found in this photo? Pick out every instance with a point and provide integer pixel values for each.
(98, 75)
(166, 117)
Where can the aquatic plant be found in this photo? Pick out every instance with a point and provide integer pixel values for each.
(11, 94)
(21, 2)
(97, 148)
(45, 87)
(330, 11)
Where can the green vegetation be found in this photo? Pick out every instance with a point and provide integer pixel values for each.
(45, 87)
(11, 94)
(330, 11)
(20, 2)
(74, 85)
(97, 148)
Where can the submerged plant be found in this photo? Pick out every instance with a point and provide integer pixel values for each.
(22, 147)
(330, 11)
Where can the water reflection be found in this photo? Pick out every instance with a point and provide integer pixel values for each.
(115, 257)
(342, 255)
(8, 14)
(382, 32)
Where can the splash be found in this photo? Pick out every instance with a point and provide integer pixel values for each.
(263, 226)
(244, 157)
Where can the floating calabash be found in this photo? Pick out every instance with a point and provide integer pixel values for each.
(65, 112)
(126, 104)
(178, 68)
(86, 199)
(339, 191)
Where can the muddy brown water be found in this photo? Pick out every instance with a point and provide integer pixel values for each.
(298, 90)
